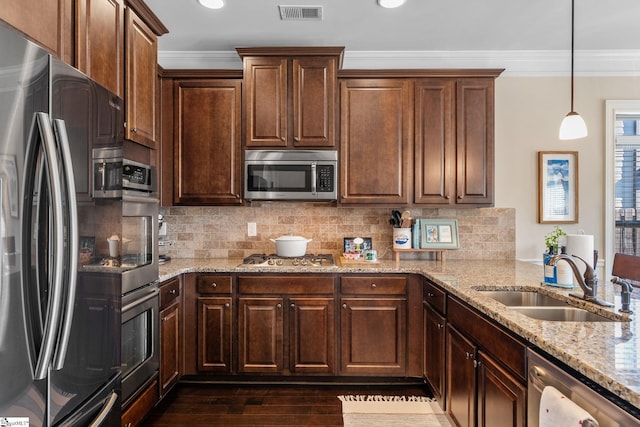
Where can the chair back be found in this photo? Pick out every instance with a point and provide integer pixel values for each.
(626, 267)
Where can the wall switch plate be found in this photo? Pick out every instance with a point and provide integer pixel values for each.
(251, 229)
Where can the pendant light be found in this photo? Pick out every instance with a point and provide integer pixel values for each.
(573, 125)
(212, 4)
(390, 4)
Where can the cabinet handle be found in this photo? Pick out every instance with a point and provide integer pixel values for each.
(293, 305)
(282, 138)
(237, 196)
(430, 295)
(373, 286)
(440, 326)
(227, 305)
(134, 130)
(448, 196)
(164, 319)
(344, 305)
(468, 355)
(279, 305)
(296, 138)
(460, 197)
(214, 285)
(172, 292)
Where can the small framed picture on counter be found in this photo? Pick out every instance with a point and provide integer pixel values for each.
(557, 187)
(439, 233)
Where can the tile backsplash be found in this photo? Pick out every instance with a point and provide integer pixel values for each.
(221, 232)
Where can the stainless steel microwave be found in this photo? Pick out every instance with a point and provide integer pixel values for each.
(290, 175)
(113, 175)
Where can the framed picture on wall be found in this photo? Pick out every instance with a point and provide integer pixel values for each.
(557, 187)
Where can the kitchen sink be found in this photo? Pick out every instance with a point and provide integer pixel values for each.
(523, 298)
(561, 314)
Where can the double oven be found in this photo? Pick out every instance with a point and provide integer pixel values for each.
(115, 176)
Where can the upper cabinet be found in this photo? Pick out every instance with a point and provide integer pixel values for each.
(100, 42)
(290, 96)
(425, 136)
(47, 22)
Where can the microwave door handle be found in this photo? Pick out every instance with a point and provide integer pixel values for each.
(314, 178)
(72, 254)
(56, 296)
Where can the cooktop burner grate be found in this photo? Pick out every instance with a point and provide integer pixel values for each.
(307, 260)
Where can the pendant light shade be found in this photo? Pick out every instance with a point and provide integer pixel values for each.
(212, 4)
(573, 125)
(391, 3)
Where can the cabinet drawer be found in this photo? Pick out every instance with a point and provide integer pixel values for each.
(435, 296)
(214, 284)
(374, 285)
(140, 407)
(169, 292)
(289, 284)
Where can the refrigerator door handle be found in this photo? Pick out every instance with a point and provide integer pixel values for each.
(73, 239)
(56, 296)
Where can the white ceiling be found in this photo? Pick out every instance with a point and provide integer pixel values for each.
(484, 31)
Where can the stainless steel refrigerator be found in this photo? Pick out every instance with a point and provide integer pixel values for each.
(59, 326)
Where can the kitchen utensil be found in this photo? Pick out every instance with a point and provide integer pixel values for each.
(291, 246)
(396, 217)
(114, 246)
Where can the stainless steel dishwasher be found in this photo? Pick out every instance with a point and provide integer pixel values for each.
(606, 408)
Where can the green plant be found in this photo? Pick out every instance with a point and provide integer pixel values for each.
(551, 239)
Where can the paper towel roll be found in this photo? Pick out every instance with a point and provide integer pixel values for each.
(582, 246)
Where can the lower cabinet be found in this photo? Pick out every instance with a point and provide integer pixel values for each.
(135, 413)
(214, 307)
(170, 337)
(286, 325)
(433, 367)
(485, 371)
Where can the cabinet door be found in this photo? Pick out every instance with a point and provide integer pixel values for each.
(214, 334)
(434, 351)
(435, 148)
(265, 102)
(207, 152)
(475, 141)
(47, 22)
(376, 130)
(169, 347)
(311, 335)
(260, 335)
(373, 336)
(461, 378)
(141, 81)
(314, 102)
(100, 42)
(499, 393)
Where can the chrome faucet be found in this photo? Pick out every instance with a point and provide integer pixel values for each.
(588, 283)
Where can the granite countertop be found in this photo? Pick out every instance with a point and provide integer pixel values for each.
(606, 352)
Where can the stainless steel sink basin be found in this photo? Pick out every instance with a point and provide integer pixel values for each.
(561, 314)
(523, 298)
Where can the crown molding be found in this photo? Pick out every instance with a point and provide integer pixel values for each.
(516, 63)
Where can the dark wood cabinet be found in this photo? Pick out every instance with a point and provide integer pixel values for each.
(434, 325)
(475, 141)
(134, 414)
(141, 71)
(207, 158)
(499, 392)
(373, 325)
(47, 22)
(290, 96)
(286, 325)
(214, 307)
(485, 371)
(170, 335)
(100, 42)
(376, 132)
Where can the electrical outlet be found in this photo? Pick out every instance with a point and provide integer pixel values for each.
(251, 229)
(163, 229)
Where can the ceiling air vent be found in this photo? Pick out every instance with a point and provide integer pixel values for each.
(300, 13)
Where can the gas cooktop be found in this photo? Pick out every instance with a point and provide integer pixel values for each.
(273, 260)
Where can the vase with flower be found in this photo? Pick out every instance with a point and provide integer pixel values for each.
(552, 242)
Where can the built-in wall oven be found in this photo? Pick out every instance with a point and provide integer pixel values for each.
(140, 339)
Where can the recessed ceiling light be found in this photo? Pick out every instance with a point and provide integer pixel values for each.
(212, 4)
(391, 3)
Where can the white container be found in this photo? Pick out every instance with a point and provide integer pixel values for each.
(291, 246)
(402, 238)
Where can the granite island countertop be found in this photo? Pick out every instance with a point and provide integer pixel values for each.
(608, 353)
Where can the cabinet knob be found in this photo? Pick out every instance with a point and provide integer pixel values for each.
(373, 286)
(440, 326)
(227, 305)
(448, 196)
(344, 305)
(164, 319)
(282, 138)
(468, 355)
(237, 196)
(430, 295)
(296, 138)
(172, 292)
(292, 305)
(279, 305)
(461, 197)
(214, 285)
(134, 130)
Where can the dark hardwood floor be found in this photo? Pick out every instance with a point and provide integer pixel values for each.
(260, 405)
